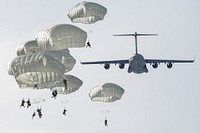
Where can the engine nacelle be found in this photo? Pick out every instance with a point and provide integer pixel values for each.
(106, 66)
(169, 65)
(155, 65)
(121, 65)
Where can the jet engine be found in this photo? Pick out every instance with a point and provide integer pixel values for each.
(106, 66)
(155, 65)
(169, 65)
(121, 65)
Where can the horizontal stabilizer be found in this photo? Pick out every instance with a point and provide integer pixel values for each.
(136, 34)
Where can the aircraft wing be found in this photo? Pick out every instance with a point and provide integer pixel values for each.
(167, 61)
(106, 62)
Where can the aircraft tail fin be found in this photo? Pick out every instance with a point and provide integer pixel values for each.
(136, 35)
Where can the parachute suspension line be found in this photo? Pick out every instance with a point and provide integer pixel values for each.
(28, 94)
(88, 39)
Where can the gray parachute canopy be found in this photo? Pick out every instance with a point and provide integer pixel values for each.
(108, 92)
(72, 84)
(60, 37)
(87, 13)
(42, 69)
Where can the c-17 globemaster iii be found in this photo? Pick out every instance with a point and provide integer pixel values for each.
(137, 63)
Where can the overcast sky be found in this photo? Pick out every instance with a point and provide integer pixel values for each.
(161, 101)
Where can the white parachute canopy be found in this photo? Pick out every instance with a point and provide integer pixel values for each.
(72, 84)
(87, 13)
(61, 36)
(28, 47)
(64, 57)
(108, 92)
(42, 69)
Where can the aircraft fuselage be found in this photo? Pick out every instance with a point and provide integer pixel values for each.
(137, 64)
